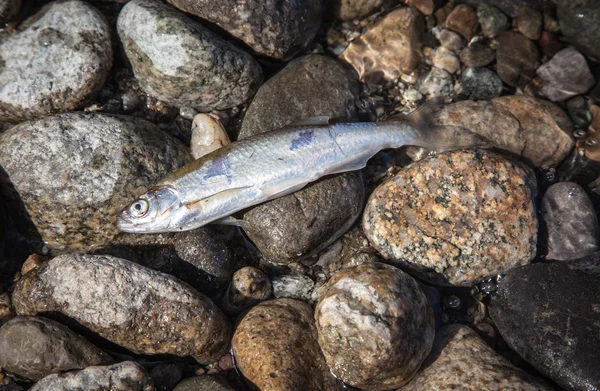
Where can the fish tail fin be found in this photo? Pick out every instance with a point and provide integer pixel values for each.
(429, 134)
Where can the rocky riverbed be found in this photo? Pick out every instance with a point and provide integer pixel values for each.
(472, 269)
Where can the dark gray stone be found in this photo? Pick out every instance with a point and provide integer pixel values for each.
(87, 168)
(34, 347)
(517, 59)
(166, 376)
(481, 83)
(143, 310)
(511, 7)
(477, 55)
(183, 63)
(529, 23)
(204, 383)
(127, 375)
(579, 23)
(566, 74)
(492, 20)
(571, 222)
(275, 29)
(550, 315)
(8, 10)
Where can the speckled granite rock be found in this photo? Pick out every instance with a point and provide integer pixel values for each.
(275, 29)
(390, 47)
(34, 347)
(248, 287)
(354, 9)
(375, 326)
(516, 58)
(435, 82)
(492, 20)
(293, 286)
(481, 83)
(87, 168)
(550, 315)
(58, 58)
(455, 218)
(571, 223)
(460, 359)
(9, 9)
(145, 311)
(204, 383)
(579, 23)
(566, 74)
(183, 63)
(127, 375)
(275, 347)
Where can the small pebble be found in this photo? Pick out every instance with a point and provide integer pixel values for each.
(354, 9)
(445, 59)
(477, 55)
(426, 7)
(208, 135)
(451, 40)
(481, 83)
(517, 59)
(463, 20)
(436, 82)
(248, 286)
(187, 112)
(492, 20)
(204, 383)
(566, 74)
(130, 101)
(293, 286)
(6, 311)
(578, 110)
(529, 23)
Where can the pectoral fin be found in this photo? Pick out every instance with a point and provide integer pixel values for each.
(230, 220)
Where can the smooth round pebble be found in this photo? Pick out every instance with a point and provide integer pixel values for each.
(566, 75)
(375, 326)
(354, 9)
(203, 383)
(492, 20)
(455, 218)
(477, 55)
(517, 58)
(248, 286)
(481, 83)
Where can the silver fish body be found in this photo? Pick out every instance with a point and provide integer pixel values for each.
(261, 168)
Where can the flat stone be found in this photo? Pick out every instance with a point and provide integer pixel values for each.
(492, 20)
(204, 383)
(529, 22)
(275, 347)
(463, 20)
(53, 63)
(273, 28)
(248, 287)
(481, 83)
(477, 55)
(451, 40)
(354, 9)
(446, 60)
(474, 217)
(460, 359)
(566, 74)
(571, 223)
(126, 375)
(579, 24)
(34, 347)
(143, 310)
(550, 315)
(375, 326)
(183, 63)
(74, 209)
(517, 59)
(8, 10)
(389, 48)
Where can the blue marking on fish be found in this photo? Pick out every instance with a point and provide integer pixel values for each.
(304, 138)
(220, 166)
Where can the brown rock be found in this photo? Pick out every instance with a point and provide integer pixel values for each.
(426, 7)
(248, 286)
(275, 347)
(477, 55)
(492, 20)
(464, 214)
(529, 23)
(445, 59)
(375, 326)
(354, 9)
(592, 142)
(451, 40)
(32, 262)
(517, 59)
(145, 311)
(462, 360)
(442, 14)
(389, 48)
(463, 20)
(6, 312)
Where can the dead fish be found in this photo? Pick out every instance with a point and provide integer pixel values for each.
(274, 164)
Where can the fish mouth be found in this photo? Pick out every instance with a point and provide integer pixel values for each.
(127, 227)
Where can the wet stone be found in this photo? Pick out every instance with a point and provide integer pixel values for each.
(517, 59)
(436, 82)
(389, 48)
(8, 10)
(446, 60)
(529, 23)
(510, 7)
(460, 359)
(166, 376)
(53, 63)
(571, 223)
(492, 20)
(474, 217)
(6, 312)
(34, 347)
(566, 74)
(140, 309)
(579, 24)
(204, 383)
(549, 313)
(293, 286)
(481, 83)
(127, 375)
(375, 326)
(354, 9)
(200, 70)
(248, 287)
(463, 20)
(426, 7)
(578, 110)
(275, 347)
(477, 55)
(74, 209)
(273, 28)
(451, 40)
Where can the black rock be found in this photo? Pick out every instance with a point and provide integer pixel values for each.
(550, 315)
(579, 23)
(481, 83)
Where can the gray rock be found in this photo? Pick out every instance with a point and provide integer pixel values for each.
(529, 22)
(550, 315)
(460, 359)
(477, 55)
(375, 326)
(579, 23)
(481, 83)
(8, 10)
(517, 59)
(451, 40)
(436, 82)
(579, 112)
(183, 63)
(204, 383)
(248, 287)
(275, 347)
(127, 375)
(566, 74)
(511, 7)
(166, 375)
(571, 222)
(145, 311)
(354, 9)
(53, 63)
(34, 347)
(293, 286)
(492, 20)
(276, 29)
(87, 168)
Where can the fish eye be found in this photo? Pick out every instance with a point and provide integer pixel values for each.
(139, 208)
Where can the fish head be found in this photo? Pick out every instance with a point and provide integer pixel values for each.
(157, 210)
